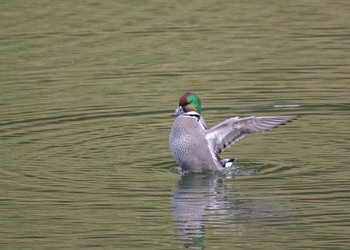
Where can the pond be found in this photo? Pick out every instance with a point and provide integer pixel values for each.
(87, 93)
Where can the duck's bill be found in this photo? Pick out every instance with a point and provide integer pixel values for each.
(178, 111)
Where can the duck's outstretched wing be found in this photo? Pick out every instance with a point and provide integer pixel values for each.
(231, 130)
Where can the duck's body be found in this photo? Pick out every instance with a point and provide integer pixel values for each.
(187, 134)
(196, 148)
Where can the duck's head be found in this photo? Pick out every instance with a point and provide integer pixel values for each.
(188, 102)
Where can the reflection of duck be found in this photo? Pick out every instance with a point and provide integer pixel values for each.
(191, 197)
(201, 201)
(196, 148)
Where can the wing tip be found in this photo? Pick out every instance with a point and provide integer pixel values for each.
(291, 118)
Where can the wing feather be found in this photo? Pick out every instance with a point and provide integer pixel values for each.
(226, 133)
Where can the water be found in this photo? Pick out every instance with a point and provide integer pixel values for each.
(87, 92)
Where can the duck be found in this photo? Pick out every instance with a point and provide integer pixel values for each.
(196, 148)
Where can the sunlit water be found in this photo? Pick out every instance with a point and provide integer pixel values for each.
(87, 92)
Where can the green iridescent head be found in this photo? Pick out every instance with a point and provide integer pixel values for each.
(190, 102)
